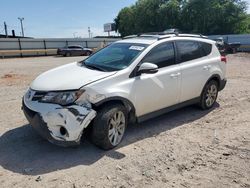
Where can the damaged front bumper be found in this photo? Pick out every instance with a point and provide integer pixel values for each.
(61, 125)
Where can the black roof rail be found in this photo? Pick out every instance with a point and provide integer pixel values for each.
(182, 35)
(153, 33)
(193, 35)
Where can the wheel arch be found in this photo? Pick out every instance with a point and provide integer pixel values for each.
(215, 77)
(118, 100)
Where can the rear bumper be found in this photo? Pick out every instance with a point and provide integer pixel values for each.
(222, 84)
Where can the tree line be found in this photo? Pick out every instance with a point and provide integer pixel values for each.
(190, 16)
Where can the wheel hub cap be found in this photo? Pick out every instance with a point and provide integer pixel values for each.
(116, 128)
(211, 95)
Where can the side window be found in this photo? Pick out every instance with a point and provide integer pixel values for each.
(206, 48)
(188, 50)
(162, 55)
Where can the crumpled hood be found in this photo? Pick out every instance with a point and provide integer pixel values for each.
(67, 77)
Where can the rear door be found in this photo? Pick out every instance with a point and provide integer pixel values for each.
(78, 50)
(195, 67)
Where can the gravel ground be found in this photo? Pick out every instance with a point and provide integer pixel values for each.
(184, 148)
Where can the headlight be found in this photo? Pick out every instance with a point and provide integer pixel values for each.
(62, 98)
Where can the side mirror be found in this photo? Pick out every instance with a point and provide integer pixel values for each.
(148, 68)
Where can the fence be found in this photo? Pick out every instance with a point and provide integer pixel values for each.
(32, 47)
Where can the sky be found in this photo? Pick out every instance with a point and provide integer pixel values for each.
(248, 10)
(60, 18)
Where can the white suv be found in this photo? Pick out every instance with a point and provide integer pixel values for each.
(129, 81)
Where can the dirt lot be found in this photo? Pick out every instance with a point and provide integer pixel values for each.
(185, 148)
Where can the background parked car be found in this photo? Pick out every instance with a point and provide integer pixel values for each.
(225, 47)
(74, 50)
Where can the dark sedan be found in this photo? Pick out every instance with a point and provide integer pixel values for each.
(74, 50)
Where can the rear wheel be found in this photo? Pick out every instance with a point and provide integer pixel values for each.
(109, 126)
(209, 95)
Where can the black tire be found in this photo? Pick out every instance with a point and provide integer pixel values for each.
(88, 53)
(204, 104)
(101, 125)
(68, 54)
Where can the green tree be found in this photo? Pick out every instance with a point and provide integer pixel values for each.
(191, 16)
(125, 22)
(214, 16)
(148, 16)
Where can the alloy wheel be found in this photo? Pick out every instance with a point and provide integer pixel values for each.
(117, 126)
(211, 95)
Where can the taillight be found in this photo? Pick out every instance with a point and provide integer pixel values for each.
(223, 59)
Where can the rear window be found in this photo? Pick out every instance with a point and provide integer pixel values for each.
(190, 50)
(206, 48)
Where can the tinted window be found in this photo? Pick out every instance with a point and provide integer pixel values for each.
(206, 48)
(116, 56)
(188, 50)
(74, 47)
(162, 55)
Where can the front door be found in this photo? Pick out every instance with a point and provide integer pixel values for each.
(156, 91)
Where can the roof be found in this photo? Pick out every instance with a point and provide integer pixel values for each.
(75, 46)
(139, 40)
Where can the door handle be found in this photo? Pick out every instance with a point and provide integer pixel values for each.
(175, 75)
(206, 67)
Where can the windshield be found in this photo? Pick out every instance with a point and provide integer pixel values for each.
(116, 56)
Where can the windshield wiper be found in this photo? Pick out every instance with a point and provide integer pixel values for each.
(92, 66)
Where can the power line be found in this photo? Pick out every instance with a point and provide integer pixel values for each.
(13, 26)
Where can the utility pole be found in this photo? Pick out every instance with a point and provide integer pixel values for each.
(89, 32)
(74, 34)
(6, 30)
(21, 21)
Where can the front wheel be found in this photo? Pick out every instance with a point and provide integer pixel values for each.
(88, 53)
(68, 54)
(109, 126)
(209, 95)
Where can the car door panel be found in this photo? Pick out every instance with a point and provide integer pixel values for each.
(195, 68)
(157, 91)
(195, 74)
